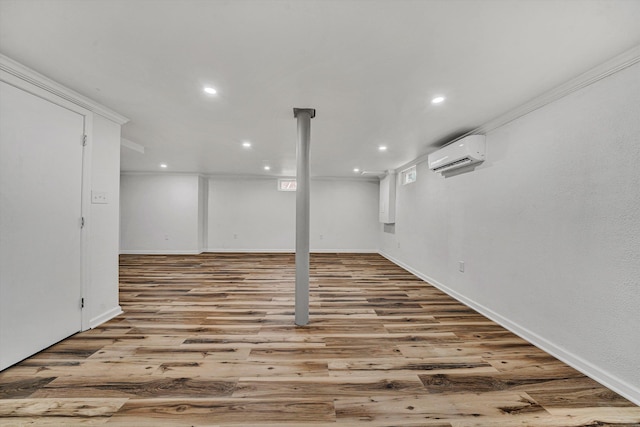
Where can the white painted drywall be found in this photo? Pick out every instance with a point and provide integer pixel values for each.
(203, 209)
(159, 213)
(548, 228)
(251, 215)
(101, 298)
(40, 235)
(100, 172)
(344, 215)
(387, 199)
(247, 214)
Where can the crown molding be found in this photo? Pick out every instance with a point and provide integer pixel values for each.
(160, 173)
(590, 77)
(247, 177)
(22, 72)
(602, 71)
(222, 176)
(132, 145)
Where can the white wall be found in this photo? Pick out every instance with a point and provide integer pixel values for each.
(549, 229)
(250, 214)
(247, 214)
(100, 172)
(344, 215)
(203, 211)
(170, 213)
(101, 299)
(159, 213)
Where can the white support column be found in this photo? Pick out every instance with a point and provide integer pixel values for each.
(304, 116)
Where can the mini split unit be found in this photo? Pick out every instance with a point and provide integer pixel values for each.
(464, 152)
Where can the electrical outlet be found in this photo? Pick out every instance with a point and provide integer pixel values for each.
(321, 236)
(99, 197)
(461, 266)
(235, 236)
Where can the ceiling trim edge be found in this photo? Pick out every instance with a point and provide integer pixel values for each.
(27, 74)
(223, 176)
(132, 145)
(602, 71)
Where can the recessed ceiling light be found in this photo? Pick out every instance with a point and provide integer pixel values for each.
(163, 165)
(356, 170)
(437, 100)
(267, 168)
(210, 90)
(246, 144)
(382, 148)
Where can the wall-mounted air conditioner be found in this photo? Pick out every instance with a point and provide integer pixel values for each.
(464, 152)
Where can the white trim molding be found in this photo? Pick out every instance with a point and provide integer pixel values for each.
(249, 251)
(604, 70)
(292, 251)
(132, 145)
(223, 176)
(594, 372)
(594, 75)
(105, 317)
(22, 72)
(344, 251)
(159, 173)
(159, 252)
(241, 250)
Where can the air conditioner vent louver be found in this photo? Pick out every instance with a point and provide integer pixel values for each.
(466, 151)
(458, 163)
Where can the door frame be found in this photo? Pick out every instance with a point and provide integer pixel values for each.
(34, 87)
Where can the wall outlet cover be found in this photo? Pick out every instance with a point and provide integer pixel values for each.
(99, 197)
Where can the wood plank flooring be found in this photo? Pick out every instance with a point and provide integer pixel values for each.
(209, 340)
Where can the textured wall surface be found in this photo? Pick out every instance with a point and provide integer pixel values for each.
(159, 213)
(548, 228)
(102, 294)
(170, 213)
(250, 214)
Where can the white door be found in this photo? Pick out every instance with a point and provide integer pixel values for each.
(40, 214)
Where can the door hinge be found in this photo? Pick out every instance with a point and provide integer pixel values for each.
(82, 222)
(81, 302)
(84, 140)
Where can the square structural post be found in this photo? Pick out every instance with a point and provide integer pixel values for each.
(304, 116)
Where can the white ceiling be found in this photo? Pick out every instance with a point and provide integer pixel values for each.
(369, 68)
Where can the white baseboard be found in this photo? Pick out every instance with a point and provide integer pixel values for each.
(290, 251)
(245, 250)
(159, 252)
(240, 250)
(596, 373)
(104, 317)
(344, 251)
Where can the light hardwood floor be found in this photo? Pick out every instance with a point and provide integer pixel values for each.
(209, 340)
